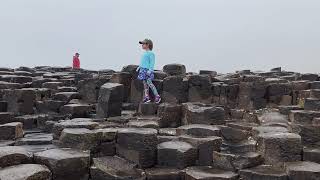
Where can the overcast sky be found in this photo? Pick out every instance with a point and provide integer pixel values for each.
(222, 35)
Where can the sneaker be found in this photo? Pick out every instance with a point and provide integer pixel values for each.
(157, 99)
(146, 100)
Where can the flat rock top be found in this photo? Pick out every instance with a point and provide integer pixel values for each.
(145, 131)
(273, 135)
(176, 145)
(7, 150)
(25, 171)
(11, 124)
(303, 166)
(208, 172)
(78, 131)
(267, 129)
(266, 170)
(116, 166)
(59, 154)
(72, 123)
(110, 85)
(200, 126)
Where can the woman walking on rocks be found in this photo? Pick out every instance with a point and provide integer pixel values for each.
(146, 69)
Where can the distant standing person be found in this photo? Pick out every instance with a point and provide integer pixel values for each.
(146, 69)
(76, 61)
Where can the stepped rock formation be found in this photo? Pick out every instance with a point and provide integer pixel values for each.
(64, 124)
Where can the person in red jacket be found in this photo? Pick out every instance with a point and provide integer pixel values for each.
(76, 61)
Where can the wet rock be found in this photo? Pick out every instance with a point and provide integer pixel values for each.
(65, 163)
(26, 171)
(76, 110)
(198, 113)
(113, 167)
(176, 154)
(174, 69)
(163, 173)
(234, 162)
(175, 89)
(198, 130)
(138, 145)
(14, 155)
(303, 170)
(263, 172)
(279, 147)
(11, 131)
(207, 172)
(110, 100)
(170, 115)
(205, 147)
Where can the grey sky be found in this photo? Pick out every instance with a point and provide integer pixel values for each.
(222, 35)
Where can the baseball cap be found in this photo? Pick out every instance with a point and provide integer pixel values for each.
(146, 41)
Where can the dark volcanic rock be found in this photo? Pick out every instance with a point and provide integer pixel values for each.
(26, 172)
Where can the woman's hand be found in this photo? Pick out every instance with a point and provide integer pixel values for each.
(138, 68)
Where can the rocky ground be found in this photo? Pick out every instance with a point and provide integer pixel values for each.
(61, 124)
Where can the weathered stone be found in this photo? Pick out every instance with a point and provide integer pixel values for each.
(20, 101)
(310, 134)
(114, 168)
(205, 147)
(240, 147)
(148, 108)
(234, 134)
(66, 96)
(110, 100)
(76, 110)
(174, 69)
(58, 127)
(256, 131)
(49, 106)
(14, 155)
(31, 121)
(234, 162)
(207, 172)
(311, 154)
(123, 78)
(16, 79)
(309, 76)
(163, 173)
(303, 170)
(170, 115)
(11, 131)
(52, 85)
(65, 163)
(79, 138)
(144, 123)
(6, 117)
(138, 145)
(312, 104)
(263, 172)
(198, 130)
(287, 109)
(176, 154)
(175, 89)
(280, 147)
(199, 88)
(3, 105)
(315, 85)
(197, 113)
(303, 117)
(26, 172)
(35, 139)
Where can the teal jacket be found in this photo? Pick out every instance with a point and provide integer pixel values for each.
(147, 60)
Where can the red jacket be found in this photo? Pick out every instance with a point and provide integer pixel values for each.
(76, 62)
